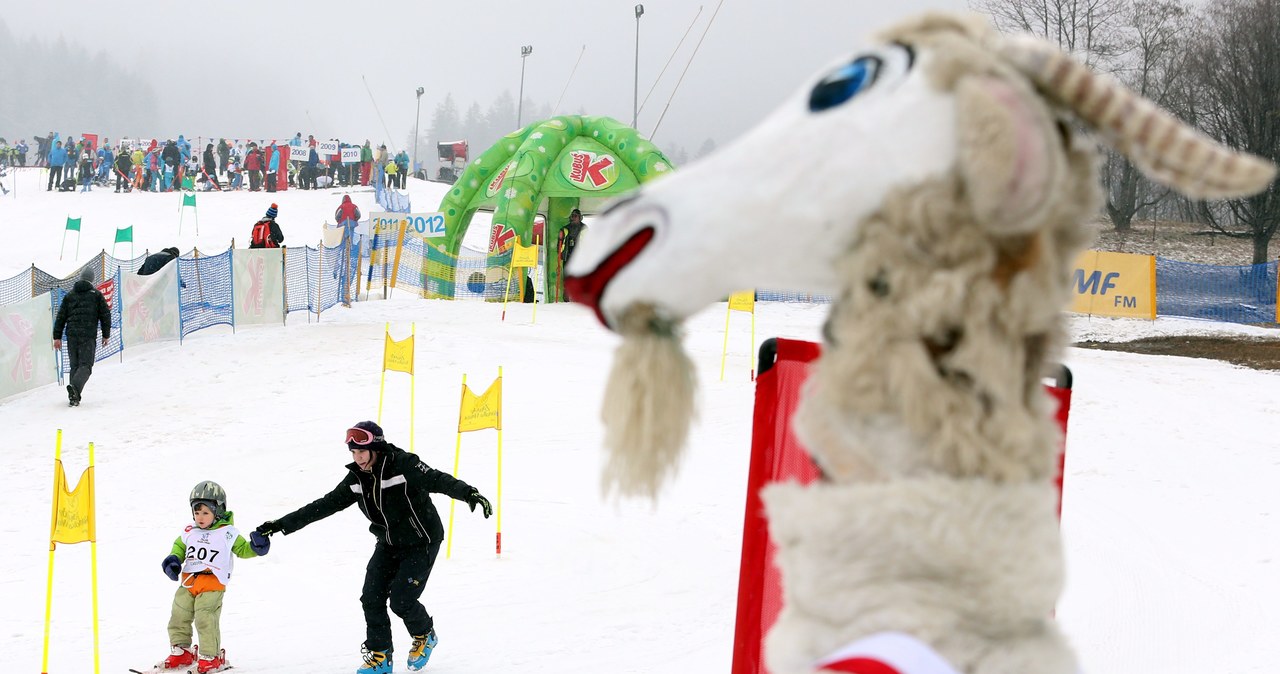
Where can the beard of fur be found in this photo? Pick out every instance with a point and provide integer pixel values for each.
(648, 405)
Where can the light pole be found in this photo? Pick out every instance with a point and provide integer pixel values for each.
(635, 101)
(524, 53)
(416, 118)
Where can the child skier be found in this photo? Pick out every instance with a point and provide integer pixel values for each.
(201, 561)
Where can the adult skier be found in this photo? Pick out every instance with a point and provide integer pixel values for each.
(80, 315)
(393, 488)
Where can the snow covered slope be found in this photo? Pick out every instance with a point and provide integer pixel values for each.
(1171, 515)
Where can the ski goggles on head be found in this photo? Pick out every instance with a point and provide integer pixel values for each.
(361, 437)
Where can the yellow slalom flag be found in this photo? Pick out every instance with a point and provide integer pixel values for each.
(740, 301)
(482, 411)
(73, 516)
(478, 412)
(398, 356)
(525, 256)
(73, 522)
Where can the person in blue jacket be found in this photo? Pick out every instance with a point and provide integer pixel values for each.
(273, 166)
(57, 157)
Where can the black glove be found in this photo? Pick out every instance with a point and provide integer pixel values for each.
(269, 527)
(475, 499)
(171, 566)
(260, 544)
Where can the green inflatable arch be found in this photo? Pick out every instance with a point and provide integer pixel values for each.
(560, 161)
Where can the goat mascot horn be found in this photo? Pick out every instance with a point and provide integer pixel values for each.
(1165, 149)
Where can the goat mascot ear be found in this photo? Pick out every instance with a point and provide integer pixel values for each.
(1005, 158)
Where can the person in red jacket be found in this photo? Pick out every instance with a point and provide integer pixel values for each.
(253, 164)
(348, 214)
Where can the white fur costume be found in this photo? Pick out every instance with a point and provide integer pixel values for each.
(942, 206)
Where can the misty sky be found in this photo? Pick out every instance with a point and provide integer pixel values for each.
(272, 67)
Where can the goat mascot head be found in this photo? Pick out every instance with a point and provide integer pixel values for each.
(935, 187)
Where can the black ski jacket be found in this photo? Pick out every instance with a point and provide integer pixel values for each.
(395, 496)
(154, 263)
(82, 311)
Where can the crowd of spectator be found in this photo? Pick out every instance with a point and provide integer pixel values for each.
(82, 162)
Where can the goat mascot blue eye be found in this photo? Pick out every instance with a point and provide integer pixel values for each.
(846, 82)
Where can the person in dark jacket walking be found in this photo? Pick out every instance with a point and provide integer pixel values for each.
(393, 488)
(83, 311)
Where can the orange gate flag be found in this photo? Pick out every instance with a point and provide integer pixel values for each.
(73, 515)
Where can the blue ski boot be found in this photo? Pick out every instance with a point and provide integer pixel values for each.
(421, 651)
(375, 662)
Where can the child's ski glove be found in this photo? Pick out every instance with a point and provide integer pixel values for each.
(171, 566)
(259, 543)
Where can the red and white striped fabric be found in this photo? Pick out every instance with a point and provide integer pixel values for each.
(886, 653)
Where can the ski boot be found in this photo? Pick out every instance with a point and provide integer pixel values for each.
(73, 396)
(375, 662)
(213, 663)
(180, 656)
(421, 651)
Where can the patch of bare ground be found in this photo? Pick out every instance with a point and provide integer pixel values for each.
(1252, 352)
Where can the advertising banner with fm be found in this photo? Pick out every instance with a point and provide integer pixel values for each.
(1114, 284)
(27, 358)
(150, 306)
(258, 277)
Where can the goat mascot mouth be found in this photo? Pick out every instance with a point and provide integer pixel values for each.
(934, 187)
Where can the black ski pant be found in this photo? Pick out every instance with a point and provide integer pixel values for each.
(80, 351)
(55, 177)
(255, 180)
(398, 574)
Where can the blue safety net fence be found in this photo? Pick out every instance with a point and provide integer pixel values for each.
(317, 279)
(1243, 294)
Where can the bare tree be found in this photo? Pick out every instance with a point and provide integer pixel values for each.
(1235, 64)
(1154, 65)
(1088, 29)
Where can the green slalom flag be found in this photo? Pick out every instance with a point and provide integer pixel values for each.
(73, 224)
(188, 200)
(124, 234)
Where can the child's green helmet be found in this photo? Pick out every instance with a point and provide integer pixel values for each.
(211, 494)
